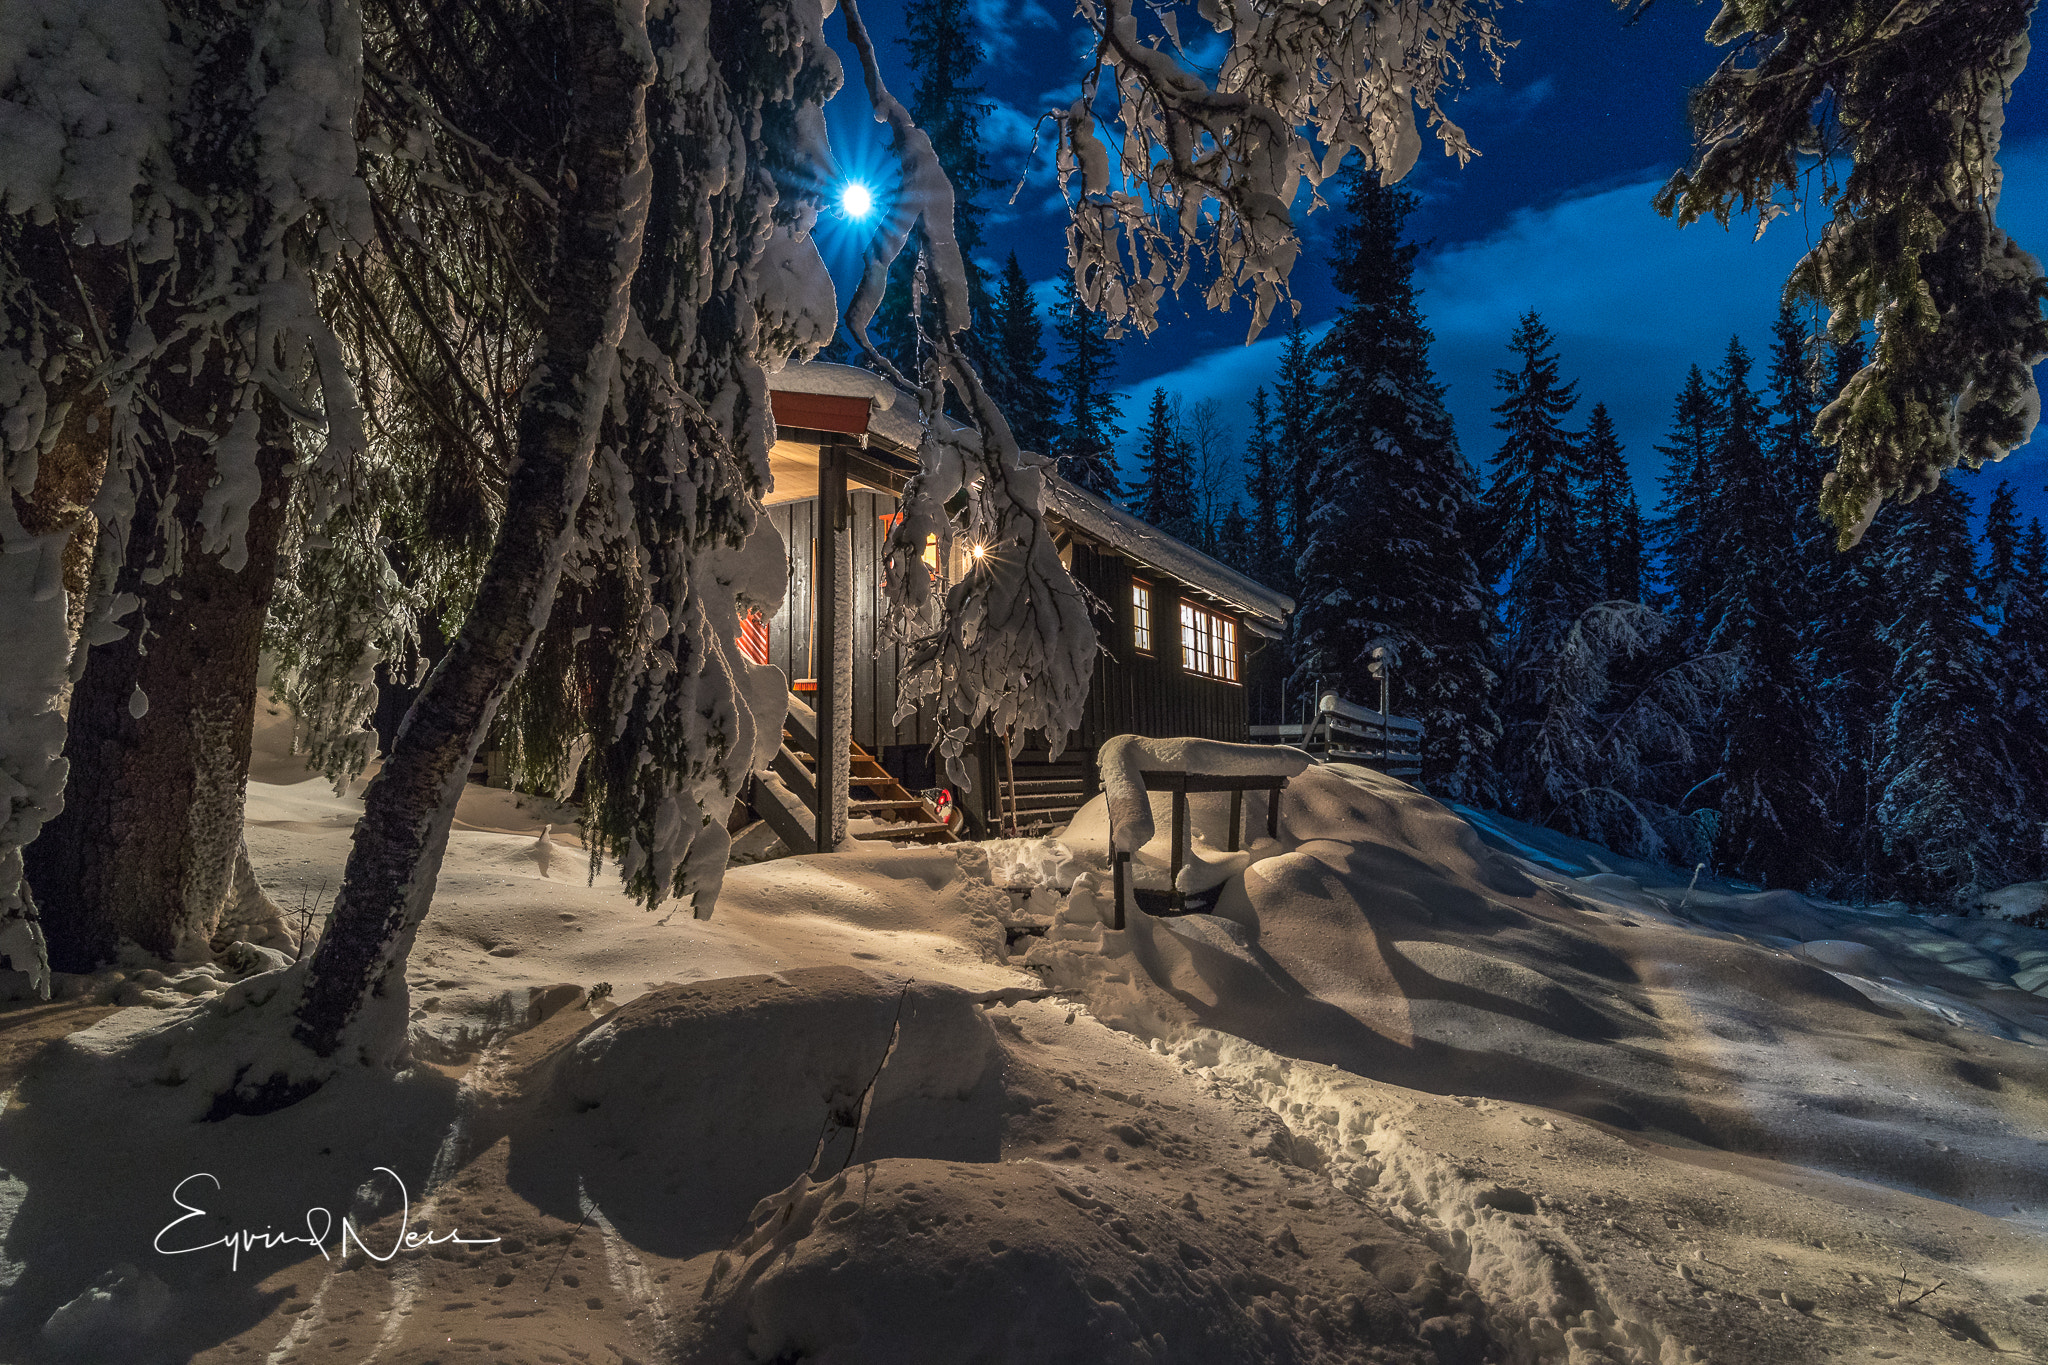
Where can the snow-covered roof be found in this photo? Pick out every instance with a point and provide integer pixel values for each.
(892, 413)
(893, 416)
(1149, 545)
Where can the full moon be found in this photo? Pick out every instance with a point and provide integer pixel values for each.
(856, 201)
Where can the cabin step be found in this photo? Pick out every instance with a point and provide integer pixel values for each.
(893, 803)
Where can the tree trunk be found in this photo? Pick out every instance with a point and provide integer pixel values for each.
(145, 847)
(358, 970)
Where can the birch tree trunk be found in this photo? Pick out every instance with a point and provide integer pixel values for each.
(355, 985)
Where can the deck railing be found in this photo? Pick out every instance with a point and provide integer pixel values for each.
(1345, 732)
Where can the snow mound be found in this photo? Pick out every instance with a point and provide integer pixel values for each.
(1383, 937)
(1006, 1263)
(680, 1111)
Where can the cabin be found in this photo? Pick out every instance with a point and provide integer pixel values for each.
(1182, 632)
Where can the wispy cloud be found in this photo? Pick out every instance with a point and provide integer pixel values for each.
(1633, 301)
(1002, 23)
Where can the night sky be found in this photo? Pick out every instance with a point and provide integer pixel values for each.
(1586, 121)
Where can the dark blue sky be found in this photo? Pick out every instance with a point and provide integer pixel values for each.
(1587, 119)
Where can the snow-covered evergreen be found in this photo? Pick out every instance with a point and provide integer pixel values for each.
(1534, 544)
(1086, 444)
(1614, 523)
(1387, 560)
(1016, 363)
(1163, 492)
(1954, 809)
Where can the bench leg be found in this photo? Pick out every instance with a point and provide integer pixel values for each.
(1236, 817)
(1117, 914)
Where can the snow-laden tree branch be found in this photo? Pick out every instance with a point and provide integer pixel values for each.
(1010, 642)
(1599, 757)
(1214, 139)
(1913, 95)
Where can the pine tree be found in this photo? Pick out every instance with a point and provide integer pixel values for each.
(1686, 516)
(1852, 669)
(1264, 484)
(1773, 773)
(1393, 512)
(946, 101)
(1233, 538)
(1086, 444)
(1295, 453)
(2002, 545)
(1015, 373)
(1532, 513)
(1614, 524)
(2023, 659)
(1954, 810)
(1163, 493)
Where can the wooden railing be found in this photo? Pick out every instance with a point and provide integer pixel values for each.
(1345, 732)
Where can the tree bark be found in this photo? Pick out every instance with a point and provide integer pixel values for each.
(145, 847)
(355, 983)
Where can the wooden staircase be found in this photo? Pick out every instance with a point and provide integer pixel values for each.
(787, 795)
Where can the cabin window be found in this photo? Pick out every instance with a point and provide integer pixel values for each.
(1208, 643)
(1141, 616)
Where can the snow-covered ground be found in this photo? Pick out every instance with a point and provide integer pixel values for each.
(1420, 1090)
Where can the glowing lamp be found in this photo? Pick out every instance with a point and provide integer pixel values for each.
(856, 201)
(980, 550)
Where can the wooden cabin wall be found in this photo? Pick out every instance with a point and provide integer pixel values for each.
(1140, 694)
(876, 665)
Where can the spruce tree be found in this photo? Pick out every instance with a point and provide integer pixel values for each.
(1953, 810)
(1015, 374)
(1772, 773)
(1295, 408)
(1852, 668)
(1086, 440)
(2023, 659)
(2002, 546)
(1265, 485)
(1686, 516)
(1233, 538)
(1163, 493)
(1393, 512)
(1614, 524)
(1532, 513)
(946, 101)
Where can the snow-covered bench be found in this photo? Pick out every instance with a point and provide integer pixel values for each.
(1133, 767)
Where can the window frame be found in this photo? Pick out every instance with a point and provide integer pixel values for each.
(1211, 636)
(1144, 616)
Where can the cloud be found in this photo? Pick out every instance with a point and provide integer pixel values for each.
(1632, 300)
(1001, 23)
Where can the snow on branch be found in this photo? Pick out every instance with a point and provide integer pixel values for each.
(1010, 642)
(1214, 140)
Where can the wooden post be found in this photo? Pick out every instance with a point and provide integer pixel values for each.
(1236, 816)
(825, 593)
(1180, 834)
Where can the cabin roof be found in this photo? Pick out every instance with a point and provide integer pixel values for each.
(824, 397)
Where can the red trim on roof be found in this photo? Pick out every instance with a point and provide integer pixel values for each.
(820, 411)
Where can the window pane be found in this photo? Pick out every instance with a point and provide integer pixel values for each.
(1141, 616)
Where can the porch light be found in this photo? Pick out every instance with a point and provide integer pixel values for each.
(980, 550)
